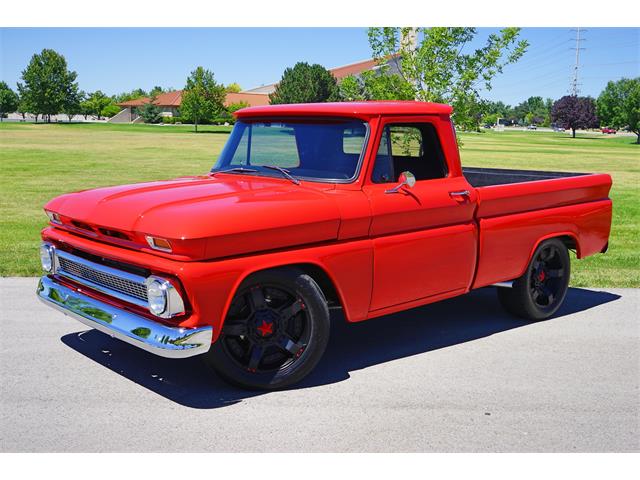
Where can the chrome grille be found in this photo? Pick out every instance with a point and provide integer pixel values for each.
(121, 284)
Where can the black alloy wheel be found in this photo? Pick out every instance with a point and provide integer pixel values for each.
(275, 331)
(538, 293)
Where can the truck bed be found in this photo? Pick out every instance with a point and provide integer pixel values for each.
(484, 177)
(505, 192)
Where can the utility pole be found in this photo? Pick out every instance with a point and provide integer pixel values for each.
(577, 48)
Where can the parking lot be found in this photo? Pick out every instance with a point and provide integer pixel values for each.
(460, 375)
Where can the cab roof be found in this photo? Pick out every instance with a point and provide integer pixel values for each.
(347, 109)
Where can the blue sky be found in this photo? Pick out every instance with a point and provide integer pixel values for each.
(120, 59)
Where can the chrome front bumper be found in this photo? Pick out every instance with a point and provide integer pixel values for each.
(171, 342)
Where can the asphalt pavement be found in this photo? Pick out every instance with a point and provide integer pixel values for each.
(460, 375)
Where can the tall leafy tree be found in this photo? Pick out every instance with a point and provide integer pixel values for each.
(96, 102)
(23, 108)
(619, 105)
(304, 83)
(574, 112)
(532, 110)
(202, 98)
(371, 85)
(47, 83)
(72, 103)
(436, 65)
(9, 100)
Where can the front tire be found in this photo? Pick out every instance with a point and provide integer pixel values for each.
(540, 291)
(275, 332)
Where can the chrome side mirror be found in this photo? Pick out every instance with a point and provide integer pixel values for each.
(406, 179)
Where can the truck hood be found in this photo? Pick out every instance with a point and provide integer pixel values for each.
(205, 217)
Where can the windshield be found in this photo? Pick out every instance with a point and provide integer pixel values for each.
(320, 150)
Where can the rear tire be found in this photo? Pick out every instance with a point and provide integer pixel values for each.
(540, 291)
(275, 332)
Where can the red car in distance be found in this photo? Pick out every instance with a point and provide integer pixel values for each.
(608, 130)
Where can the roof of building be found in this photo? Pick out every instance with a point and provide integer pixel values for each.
(174, 99)
(347, 109)
(253, 99)
(339, 72)
(166, 99)
(353, 68)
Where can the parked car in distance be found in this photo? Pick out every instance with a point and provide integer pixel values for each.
(532, 127)
(358, 206)
(608, 130)
(558, 129)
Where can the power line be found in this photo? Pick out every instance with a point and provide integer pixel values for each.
(576, 68)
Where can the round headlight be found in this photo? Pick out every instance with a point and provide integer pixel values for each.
(46, 258)
(163, 298)
(157, 297)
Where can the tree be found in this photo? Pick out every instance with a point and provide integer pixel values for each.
(9, 100)
(86, 108)
(149, 111)
(574, 112)
(24, 108)
(532, 110)
(111, 110)
(352, 88)
(96, 102)
(430, 64)
(305, 83)
(619, 105)
(234, 107)
(47, 83)
(72, 103)
(370, 85)
(202, 98)
(132, 95)
(155, 91)
(233, 88)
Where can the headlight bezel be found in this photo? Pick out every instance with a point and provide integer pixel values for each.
(53, 217)
(47, 254)
(162, 288)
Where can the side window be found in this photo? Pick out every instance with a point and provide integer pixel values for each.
(411, 147)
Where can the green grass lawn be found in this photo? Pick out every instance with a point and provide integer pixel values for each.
(42, 161)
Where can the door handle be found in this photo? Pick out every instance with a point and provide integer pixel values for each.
(460, 193)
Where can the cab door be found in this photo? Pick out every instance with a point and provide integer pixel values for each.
(424, 236)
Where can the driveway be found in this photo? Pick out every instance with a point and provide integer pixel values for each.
(460, 375)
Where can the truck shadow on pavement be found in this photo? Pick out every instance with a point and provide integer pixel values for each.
(351, 346)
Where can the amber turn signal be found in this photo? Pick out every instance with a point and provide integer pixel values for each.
(158, 243)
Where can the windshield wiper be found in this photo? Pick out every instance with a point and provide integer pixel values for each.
(236, 170)
(284, 172)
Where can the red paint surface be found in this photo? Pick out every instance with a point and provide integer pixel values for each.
(383, 253)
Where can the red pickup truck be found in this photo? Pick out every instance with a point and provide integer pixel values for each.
(359, 206)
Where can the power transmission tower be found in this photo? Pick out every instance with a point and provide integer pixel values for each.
(577, 48)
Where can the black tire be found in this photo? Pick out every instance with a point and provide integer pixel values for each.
(275, 332)
(540, 291)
